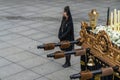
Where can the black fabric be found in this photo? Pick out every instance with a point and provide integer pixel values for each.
(66, 31)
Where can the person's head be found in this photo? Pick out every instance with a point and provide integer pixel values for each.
(66, 13)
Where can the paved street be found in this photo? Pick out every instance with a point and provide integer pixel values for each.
(24, 24)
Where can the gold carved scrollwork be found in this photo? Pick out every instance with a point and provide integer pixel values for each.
(102, 41)
(111, 53)
(83, 34)
(118, 58)
(83, 31)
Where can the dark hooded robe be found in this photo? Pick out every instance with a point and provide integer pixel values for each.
(66, 31)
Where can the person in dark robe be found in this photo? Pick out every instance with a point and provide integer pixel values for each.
(66, 32)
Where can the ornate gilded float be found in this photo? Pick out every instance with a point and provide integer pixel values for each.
(104, 42)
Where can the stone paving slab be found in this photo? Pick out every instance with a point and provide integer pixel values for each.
(45, 69)
(33, 62)
(4, 62)
(4, 45)
(9, 51)
(28, 32)
(42, 78)
(10, 70)
(21, 40)
(58, 75)
(24, 75)
(20, 56)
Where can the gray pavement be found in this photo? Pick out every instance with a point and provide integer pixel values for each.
(24, 24)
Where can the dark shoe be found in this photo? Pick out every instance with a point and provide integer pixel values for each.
(66, 65)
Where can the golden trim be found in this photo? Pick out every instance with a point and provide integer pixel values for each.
(97, 77)
(82, 62)
(116, 74)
